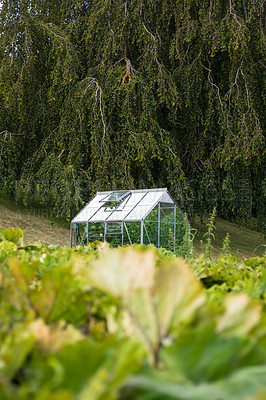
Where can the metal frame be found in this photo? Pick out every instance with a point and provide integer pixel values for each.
(174, 225)
(128, 235)
(135, 207)
(111, 213)
(71, 230)
(146, 232)
(141, 231)
(154, 205)
(159, 220)
(105, 230)
(75, 234)
(104, 200)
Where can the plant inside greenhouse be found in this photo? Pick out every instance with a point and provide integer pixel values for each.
(146, 217)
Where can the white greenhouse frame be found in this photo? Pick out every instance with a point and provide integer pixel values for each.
(147, 216)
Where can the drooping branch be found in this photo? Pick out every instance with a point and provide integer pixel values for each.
(92, 82)
(129, 70)
(210, 80)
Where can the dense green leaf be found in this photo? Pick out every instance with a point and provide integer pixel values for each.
(134, 322)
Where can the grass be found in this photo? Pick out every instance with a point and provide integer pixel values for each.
(38, 225)
(244, 242)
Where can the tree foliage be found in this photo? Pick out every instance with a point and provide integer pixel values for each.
(113, 94)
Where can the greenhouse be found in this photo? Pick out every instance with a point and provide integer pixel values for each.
(123, 217)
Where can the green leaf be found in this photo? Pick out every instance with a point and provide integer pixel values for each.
(177, 294)
(6, 248)
(13, 351)
(241, 385)
(13, 235)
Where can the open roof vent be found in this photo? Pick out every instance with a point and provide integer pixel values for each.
(113, 200)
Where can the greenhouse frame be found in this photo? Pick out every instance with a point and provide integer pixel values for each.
(120, 217)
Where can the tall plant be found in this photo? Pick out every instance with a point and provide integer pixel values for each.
(209, 236)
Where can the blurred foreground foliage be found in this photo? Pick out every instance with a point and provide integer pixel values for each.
(129, 323)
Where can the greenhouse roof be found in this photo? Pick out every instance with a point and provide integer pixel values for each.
(122, 205)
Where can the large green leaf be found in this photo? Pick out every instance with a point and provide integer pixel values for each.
(239, 386)
(178, 294)
(108, 379)
(152, 297)
(14, 350)
(13, 235)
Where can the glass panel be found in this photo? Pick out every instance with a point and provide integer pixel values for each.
(146, 236)
(152, 216)
(167, 209)
(118, 214)
(119, 205)
(113, 228)
(90, 209)
(151, 225)
(96, 231)
(115, 197)
(133, 229)
(144, 206)
(81, 234)
(100, 215)
(167, 238)
(127, 239)
(114, 233)
(179, 230)
(167, 235)
(114, 240)
(115, 201)
(126, 206)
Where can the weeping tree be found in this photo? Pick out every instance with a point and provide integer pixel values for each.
(114, 94)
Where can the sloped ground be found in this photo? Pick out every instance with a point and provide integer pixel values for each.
(244, 242)
(35, 223)
(38, 225)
